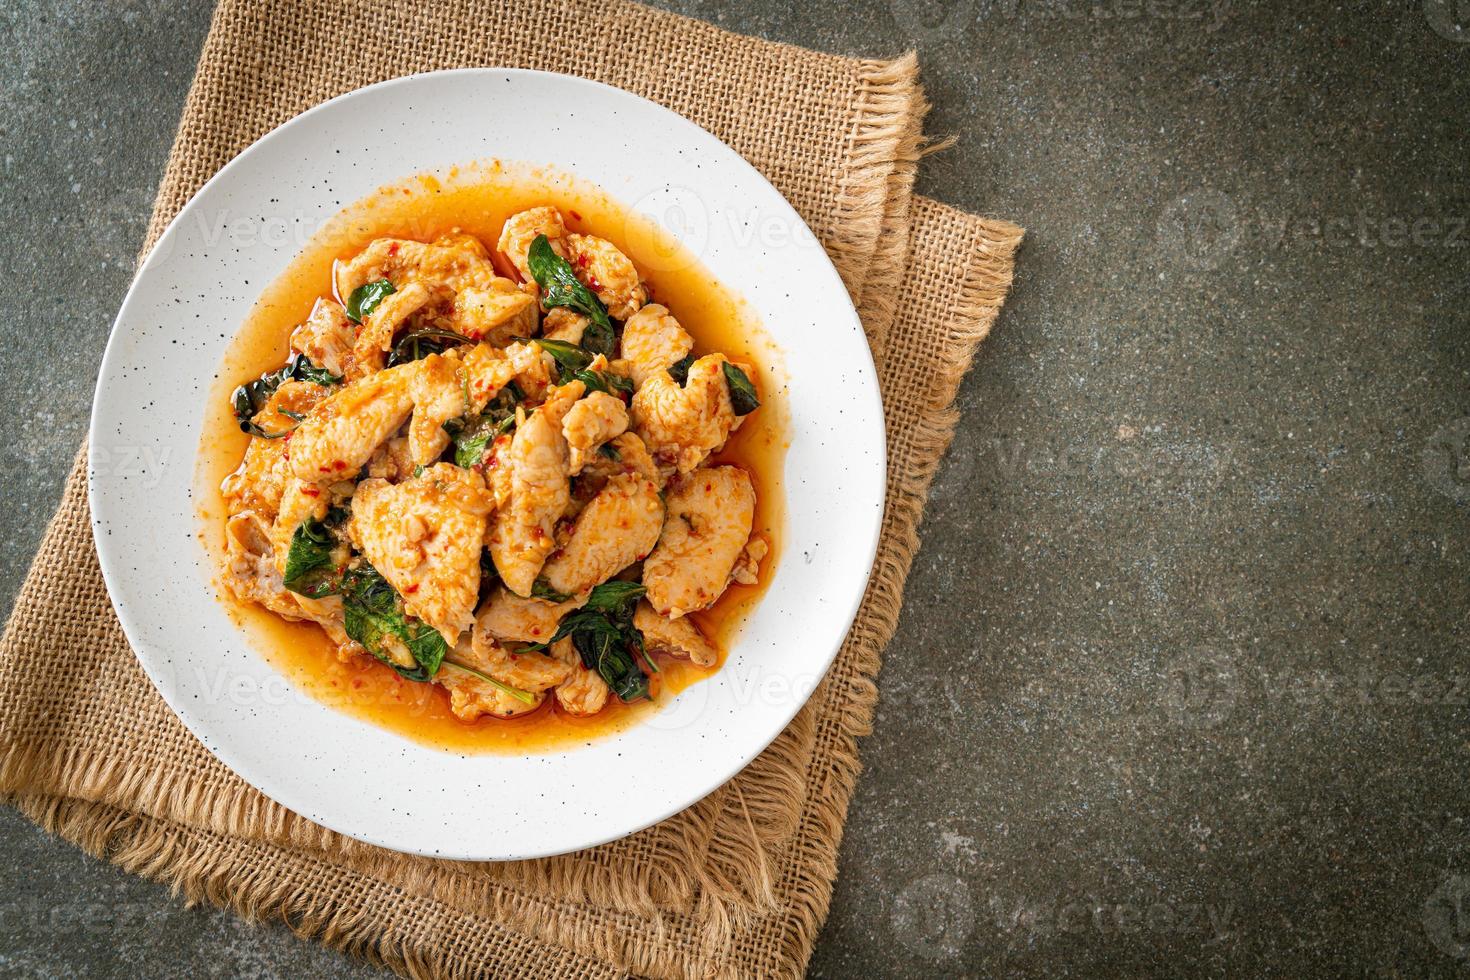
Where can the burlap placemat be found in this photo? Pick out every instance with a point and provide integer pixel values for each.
(738, 883)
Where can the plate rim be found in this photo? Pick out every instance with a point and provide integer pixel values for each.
(111, 567)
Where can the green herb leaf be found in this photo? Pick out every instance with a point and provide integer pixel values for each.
(612, 656)
(540, 590)
(248, 399)
(365, 298)
(610, 451)
(600, 337)
(613, 384)
(569, 358)
(311, 565)
(615, 596)
(303, 370)
(679, 370)
(472, 441)
(474, 435)
(742, 393)
(560, 287)
(420, 343)
(427, 647)
(373, 616)
(603, 634)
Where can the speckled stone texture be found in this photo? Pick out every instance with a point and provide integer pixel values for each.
(1180, 686)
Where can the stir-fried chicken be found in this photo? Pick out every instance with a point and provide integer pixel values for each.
(424, 536)
(535, 471)
(496, 450)
(708, 522)
(682, 425)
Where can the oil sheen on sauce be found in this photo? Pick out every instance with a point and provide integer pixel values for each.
(477, 199)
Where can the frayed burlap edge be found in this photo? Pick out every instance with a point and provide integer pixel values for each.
(735, 829)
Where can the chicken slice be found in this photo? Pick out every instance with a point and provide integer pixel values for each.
(438, 391)
(391, 461)
(263, 474)
(327, 337)
(591, 422)
(424, 536)
(253, 575)
(529, 671)
(679, 637)
(682, 426)
(470, 697)
(250, 568)
(628, 455)
(608, 273)
(451, 279)
(344, 432)
(496, 314)
(536, 491)
(709, 517)
(491, 368)
(584, 692)
(302, 501)
(520, 230)
(563, 324)
(506, 616)
(748, 566)
(653, 341)
(375, 339)
(454, 264)
(620, 526)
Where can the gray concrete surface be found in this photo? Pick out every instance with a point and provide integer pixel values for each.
(1180, 686)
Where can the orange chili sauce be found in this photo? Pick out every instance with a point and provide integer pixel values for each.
(477, 199)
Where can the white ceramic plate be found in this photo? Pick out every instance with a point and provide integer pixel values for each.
(191, 296)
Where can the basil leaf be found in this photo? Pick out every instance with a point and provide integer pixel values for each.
(742, 393)
(613, 660)
(605, 381)
(474, 435)
(600, 338)
(560, 287)
(604, 637)
(311, 566)
(243, 402)
(679, 370)
(614, 596)
(427, 647)
(540, 590)
(471, 441)
(422, 342)
(372, 614)
(303, 370)
(365, 298)
(610, 451)
(248, 399)
(571, 363)
(569, 358)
